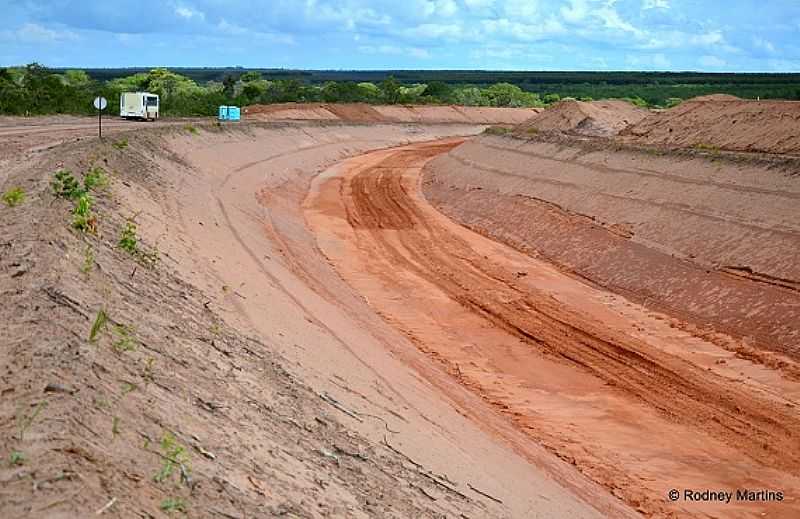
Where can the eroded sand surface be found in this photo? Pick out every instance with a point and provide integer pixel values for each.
(634, 402)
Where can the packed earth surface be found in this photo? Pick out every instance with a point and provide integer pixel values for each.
(403, 311)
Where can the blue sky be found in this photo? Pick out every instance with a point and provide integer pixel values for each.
(732, 35)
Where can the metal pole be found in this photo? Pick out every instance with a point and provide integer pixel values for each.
(100, 123)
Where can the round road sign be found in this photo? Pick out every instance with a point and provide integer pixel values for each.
(100, 103)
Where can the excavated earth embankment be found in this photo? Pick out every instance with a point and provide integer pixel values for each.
(723, 123)
(361, 112)
(709, 240)
(238, 376)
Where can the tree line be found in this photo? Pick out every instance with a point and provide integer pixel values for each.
(34, 90)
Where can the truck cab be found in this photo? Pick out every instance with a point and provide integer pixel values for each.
(138, 105)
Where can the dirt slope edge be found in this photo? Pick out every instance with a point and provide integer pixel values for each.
(710, 243)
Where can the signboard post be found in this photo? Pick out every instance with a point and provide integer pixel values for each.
(100, 104)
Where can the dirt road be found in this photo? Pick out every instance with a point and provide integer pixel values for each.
(617, 390)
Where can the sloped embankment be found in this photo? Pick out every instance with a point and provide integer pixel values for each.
(132, 389)
(713, 244)
(586, 118)
(364, 113)
(723, 122)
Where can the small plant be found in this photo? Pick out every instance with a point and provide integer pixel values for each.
(82, 217)
(115, 426)
(532, 131)
(88, 260)
(128, 387)
(128, 240)
(124, 338)
(497, 130)
(191, 129)
(95, 178)
(121, 144)
(16, 458)
(707, 147)
(14, 196)
(65, 185)
(174, 455)
(26, 421)
(173, 504)
(100, 323)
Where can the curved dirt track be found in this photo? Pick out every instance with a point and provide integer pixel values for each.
(622, 393)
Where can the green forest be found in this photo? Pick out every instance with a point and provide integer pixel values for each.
(36, 90)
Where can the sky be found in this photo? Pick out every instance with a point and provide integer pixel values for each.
(713, 36)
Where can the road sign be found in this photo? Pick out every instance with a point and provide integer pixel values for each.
(100, 103)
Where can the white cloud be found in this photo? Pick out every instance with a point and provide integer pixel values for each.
(648, 61)
(188, 13)
(709, 61)
(35, 33)
(414, 52)
(655, 4)
(762, 44)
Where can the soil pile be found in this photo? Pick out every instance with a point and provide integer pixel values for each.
(364, 113)
(722, 122)
(594, 119)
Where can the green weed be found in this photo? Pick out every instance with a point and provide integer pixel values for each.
(173, 504)
(121, 144)
(14, 196)
(497, 130)
(65, 185)
(95, 178)
(173, 456)
(25, 422)
(88, 260)
(191, 129)
(100, 323)
(128, 240)
(16, 458)
(82, 217)
(115, 426)
(124, 340)
(128, 387)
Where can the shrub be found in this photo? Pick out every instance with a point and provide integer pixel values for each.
(82, 217)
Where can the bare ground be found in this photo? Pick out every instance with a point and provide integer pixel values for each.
(222, 383)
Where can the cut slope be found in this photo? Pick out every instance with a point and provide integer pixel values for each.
(714, 244)
(364, 113)
(595, 118)
(723, 122)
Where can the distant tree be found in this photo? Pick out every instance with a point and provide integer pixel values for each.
(551, 98)
(390, 90)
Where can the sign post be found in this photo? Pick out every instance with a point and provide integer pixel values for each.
(100, 104)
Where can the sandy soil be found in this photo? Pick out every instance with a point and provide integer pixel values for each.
(284, 394)
(359, 112)
(594, 118)
(713, 242)
(723, 122)
(593, 377)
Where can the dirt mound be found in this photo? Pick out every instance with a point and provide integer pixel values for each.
(595, 118)
(725, 123)
(715, 97)
(364, 113)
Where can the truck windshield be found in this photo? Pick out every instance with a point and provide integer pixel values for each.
(152, 101)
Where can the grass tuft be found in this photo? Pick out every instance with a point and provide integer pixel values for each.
(14, 196)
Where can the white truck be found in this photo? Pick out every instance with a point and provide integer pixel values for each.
(138, 105)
